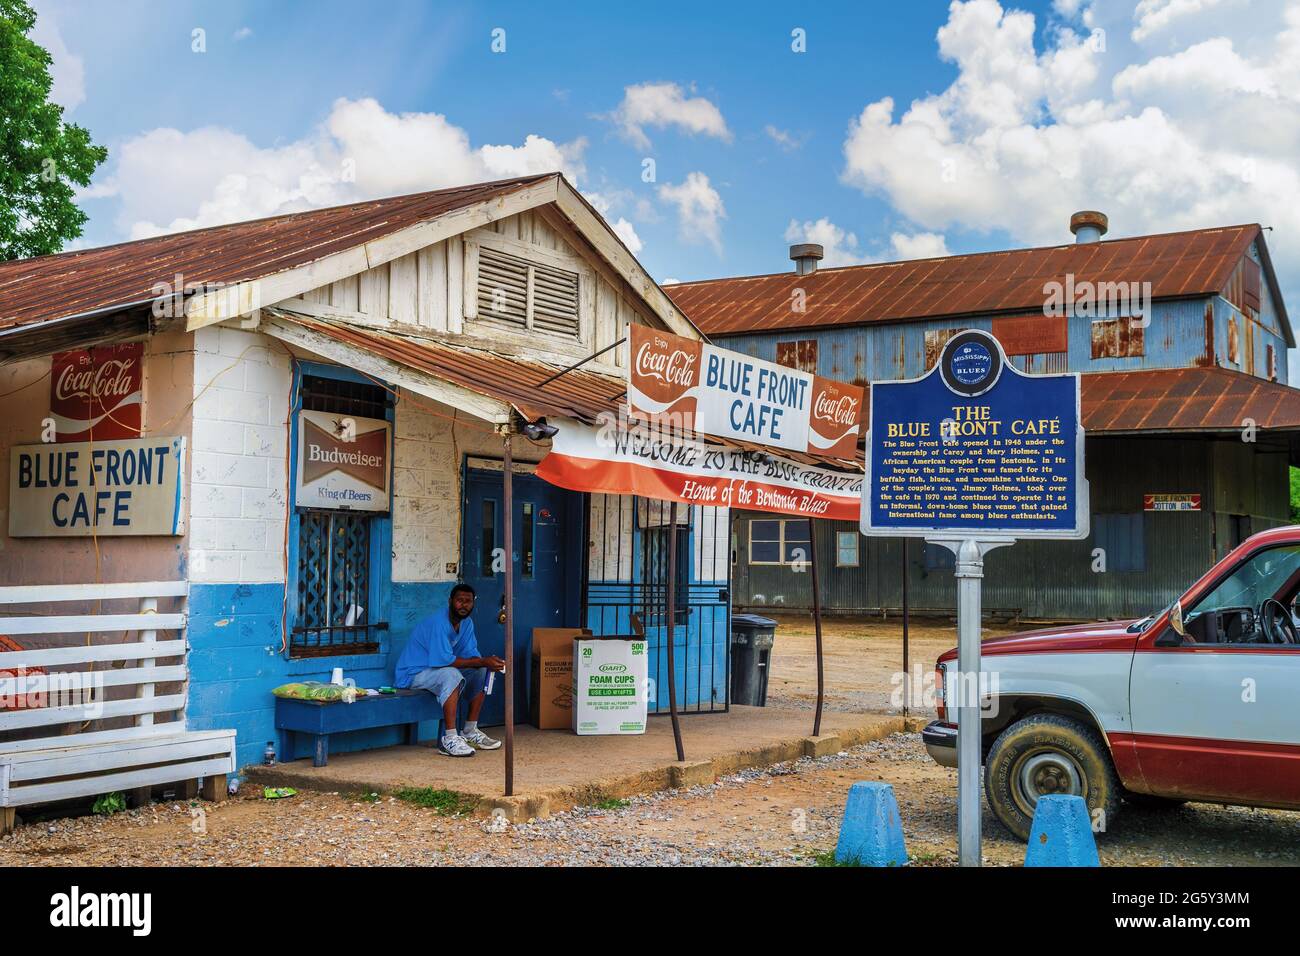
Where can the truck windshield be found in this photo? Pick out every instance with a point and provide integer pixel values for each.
(1254, 582)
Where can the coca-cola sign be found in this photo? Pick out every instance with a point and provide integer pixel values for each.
(96, 394)
(690, 385)
(836, 421)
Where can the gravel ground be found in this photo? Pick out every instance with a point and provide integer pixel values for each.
(783, 815)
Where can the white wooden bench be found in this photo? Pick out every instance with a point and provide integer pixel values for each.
(77, 684)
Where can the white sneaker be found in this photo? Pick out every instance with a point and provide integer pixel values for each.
(454, 746)
(476, 738)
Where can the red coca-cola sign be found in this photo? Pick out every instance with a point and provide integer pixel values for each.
(665, 372)
(96, 394)
(835, 419)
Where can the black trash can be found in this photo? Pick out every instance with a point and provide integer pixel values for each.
(752, 638)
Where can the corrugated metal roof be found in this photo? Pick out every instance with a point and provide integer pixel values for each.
(1186, 399)
(578, 394)
(1178, 264)
(73, 283)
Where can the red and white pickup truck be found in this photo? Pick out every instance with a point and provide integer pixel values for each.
(1199, 701)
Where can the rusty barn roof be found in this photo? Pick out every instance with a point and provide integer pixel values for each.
(1186, 400)
(93, 280)
(1178, 264)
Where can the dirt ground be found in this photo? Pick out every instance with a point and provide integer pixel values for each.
(863, 662)
(785, 815)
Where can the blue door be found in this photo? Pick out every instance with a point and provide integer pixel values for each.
(546, 571)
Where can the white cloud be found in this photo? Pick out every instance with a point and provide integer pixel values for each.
(243, 33)
(168, 180)
(700, 209)
(670, 281)
(1201, 136)
(1154, 16)
(784, 138)
(606, 203)
(841, 248)
(661, 105)
(67, 70)
(919, 245)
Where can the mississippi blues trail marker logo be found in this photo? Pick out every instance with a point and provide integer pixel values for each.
(343, 462)
(694, 386)
(976, 448)
(96, 393)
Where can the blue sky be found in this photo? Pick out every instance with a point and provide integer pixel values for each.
(902, 130)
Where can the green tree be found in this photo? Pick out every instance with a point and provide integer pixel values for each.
(42, 158)
(1295, 495)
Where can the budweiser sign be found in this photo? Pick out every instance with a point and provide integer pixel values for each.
(343, 462)
(96, 394)
(695, 386)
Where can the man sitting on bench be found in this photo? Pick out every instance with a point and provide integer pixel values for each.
(443, 658)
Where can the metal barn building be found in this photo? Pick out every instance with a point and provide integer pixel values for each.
(1181, 340)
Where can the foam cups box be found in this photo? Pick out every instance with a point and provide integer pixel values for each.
(610, 677)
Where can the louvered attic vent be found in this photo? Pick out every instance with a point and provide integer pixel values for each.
(525, 295)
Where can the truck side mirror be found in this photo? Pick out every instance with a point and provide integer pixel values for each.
(1173, 637)
(1176, 619)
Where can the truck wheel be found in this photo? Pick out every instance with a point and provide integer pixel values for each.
(1043, 754)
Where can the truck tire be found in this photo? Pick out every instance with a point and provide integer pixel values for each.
(1047, 753)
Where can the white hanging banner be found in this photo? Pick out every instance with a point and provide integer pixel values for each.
(645, 461)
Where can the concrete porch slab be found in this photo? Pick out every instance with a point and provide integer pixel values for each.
(557, 770)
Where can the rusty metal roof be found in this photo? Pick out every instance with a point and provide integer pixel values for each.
(1179, 264)
(578, 394)
(1186, 400)
(90, 280)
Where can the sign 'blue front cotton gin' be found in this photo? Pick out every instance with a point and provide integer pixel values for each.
(976, 448)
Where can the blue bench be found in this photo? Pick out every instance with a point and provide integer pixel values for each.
(319, 719)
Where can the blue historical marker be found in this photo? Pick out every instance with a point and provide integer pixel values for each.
(972, 456)
(976, 448)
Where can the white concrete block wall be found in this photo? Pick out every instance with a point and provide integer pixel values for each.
(238, 455)
(428, 449)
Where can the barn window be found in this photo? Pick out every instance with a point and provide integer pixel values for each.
(1124, 337)
(778, 541)
(800, 354)
(1250, 284)
(526, 296)
(846, 549)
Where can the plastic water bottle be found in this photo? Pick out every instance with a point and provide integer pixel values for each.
(268, 755)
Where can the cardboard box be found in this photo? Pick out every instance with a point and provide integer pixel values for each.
(550, 693)
(610, 685)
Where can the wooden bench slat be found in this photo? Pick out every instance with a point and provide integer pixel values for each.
(52, 593)
(90, 624)
(90, 786)
(137, 753)
(118, 677)
(47, 716)
(87, 653)
(173, 730)
(15, 748)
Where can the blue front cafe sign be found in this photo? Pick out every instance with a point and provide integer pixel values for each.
(972, 456)
(976, 448)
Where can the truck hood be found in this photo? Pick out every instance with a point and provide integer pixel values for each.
(1102, 636)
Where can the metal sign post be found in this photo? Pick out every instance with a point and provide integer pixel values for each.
(969, 572)
(972, 456)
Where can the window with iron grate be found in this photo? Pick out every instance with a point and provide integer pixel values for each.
(335, 584)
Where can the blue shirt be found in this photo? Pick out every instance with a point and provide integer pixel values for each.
(435, 643)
